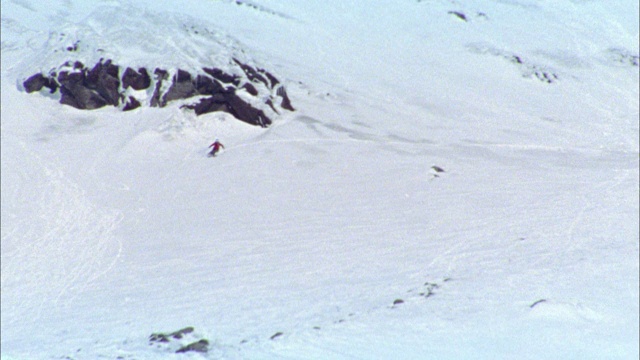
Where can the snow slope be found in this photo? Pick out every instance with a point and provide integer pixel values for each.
(117, 225)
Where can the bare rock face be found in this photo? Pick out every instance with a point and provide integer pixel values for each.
(160, 77)
(201, 346)
(231, 103)
(37, 81)
(108, 84)
(286, 102)
(182, 87)
(271, 78)
(210, 104)
(183, 339)
(132, 103)
(75, 93)
(222, 76)
(250, 89)
(244, 111)
(137, 80)
(252, 73)
(208, 86)
(104, 80)
(87, 89)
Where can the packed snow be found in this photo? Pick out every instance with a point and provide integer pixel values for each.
(449, 187)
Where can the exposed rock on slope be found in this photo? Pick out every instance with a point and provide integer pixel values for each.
(253, 97)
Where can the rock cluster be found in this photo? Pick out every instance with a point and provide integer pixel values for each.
(185, 345)
(109, 84)
(165, 337)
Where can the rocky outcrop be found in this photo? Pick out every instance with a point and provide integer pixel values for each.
(182, 87)
(38, 81)
(286, 102)
(161, 76)
(222, 76)
(137, 80)
(201, 346)
(250, 94)
(165, 337)
(132, 103)
(183, 339)
(103, 79)
(243, 110)
(77, 92)
(210, 104)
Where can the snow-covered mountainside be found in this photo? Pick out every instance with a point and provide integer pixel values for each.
(459, 181)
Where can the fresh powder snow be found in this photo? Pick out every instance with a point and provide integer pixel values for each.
(459, 180)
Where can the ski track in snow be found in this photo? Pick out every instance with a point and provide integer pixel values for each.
(601, 190)
(74, 248)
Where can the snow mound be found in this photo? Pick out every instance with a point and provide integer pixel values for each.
(138, 37)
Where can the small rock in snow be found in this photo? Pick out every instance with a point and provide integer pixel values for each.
(198, 346)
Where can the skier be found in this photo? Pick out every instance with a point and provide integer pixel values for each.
(215, 147)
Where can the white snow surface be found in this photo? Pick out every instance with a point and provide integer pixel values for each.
(116, 225)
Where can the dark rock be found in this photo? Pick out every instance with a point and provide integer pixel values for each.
(159, 337)
(270, 103)
(181, 76)
(38, 81)
(131, 104)
(181, 87)
(546, 77)
(537, 303)
(398, 302)
(286, 102)
(252, 74)
(103, 78)
(245, 112)
(207, 86)
(209, 104)
(250, 89)
(51, 84)
(73, 47)
(34, 83)
(222, 76)
(460, 15)
(66, 78)
(161, 76)
(278, 334)
(75, 93)
(137, 80)
(178, 334)
(81, 98)
(271, 78)
(85, 88)
(201, 346)
(165, 338)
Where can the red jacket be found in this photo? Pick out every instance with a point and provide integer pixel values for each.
(216, 146)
